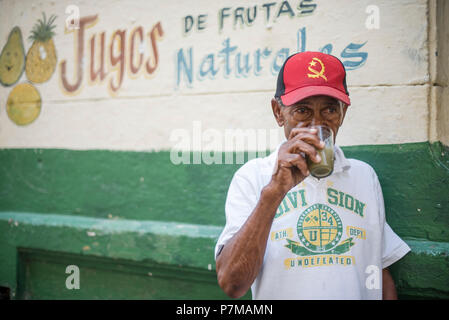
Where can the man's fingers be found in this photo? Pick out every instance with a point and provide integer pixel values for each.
(298, 146)
(301, 164)
(308, 135)
(295, 160)
(288, 160)
(310, 138)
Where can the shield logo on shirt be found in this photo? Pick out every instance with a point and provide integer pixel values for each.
(319, 230)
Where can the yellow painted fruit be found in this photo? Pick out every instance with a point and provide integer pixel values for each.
(41, 57)
(41, 61)
(24, 104)
(12, 58)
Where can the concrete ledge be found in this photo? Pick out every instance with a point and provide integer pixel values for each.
(36, 248)
(42, 275)
(179, 251)
(161, 242)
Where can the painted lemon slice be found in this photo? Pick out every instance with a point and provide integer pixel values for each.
(24, 104)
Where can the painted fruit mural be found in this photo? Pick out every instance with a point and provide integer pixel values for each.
(41, 57)
(24, 104)
(12, 58)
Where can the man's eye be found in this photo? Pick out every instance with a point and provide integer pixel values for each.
(302, 109)
(331, 109)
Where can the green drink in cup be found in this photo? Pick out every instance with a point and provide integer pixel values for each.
(326, 166)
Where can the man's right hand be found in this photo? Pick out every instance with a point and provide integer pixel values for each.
(291, 166)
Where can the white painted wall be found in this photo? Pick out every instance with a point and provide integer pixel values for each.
(390, 92)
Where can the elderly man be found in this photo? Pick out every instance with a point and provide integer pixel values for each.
(289, 235)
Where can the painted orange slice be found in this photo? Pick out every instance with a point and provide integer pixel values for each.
(24, 104)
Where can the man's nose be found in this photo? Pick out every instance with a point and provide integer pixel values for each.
(317, 119)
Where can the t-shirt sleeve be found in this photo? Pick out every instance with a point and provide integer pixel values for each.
(240, 202)
(393, 247)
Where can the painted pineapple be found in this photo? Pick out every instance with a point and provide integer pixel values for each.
(41, 58)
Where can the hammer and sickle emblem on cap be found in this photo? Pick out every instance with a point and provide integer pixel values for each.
(316, 73)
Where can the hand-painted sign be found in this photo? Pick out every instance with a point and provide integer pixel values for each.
(230, 61)
(134, 70)
(123, 44)
(239, 64)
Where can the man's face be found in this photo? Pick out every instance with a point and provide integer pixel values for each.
(315, 110)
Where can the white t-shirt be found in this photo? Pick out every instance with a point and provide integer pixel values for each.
(329, 238)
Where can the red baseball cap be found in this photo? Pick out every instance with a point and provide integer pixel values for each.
(307, 74)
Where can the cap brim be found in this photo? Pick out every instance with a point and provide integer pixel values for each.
(305, 92)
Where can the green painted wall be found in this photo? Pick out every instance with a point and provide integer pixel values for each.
(122, 215)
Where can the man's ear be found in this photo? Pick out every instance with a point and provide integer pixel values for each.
(277, 112)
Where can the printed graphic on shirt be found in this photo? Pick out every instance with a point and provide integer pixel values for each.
(297, 199)
(319, 261)
(344, 200)
(359, 233)
(319, 230)
(281, 234)
(293, 200)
